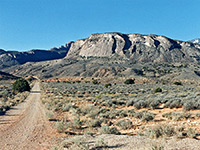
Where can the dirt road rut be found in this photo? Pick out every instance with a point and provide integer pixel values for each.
(25, 126)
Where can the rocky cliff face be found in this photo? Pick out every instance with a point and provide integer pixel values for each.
(136, 47)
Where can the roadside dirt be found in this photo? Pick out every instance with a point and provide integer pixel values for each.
(25, 126)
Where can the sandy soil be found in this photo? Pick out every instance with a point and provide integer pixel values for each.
(25, 126)
(124, 142)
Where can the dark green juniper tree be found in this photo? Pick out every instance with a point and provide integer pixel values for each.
(21, 85)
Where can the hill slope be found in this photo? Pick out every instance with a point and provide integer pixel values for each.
(6, 76)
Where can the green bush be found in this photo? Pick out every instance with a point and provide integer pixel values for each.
(21, 85)
(157, 90)
(129, 81)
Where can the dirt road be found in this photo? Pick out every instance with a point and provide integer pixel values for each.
(25, 126)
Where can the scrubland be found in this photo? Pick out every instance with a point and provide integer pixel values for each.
(81, 109)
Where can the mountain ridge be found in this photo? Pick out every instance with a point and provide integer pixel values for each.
(109, 54)
(10, 58)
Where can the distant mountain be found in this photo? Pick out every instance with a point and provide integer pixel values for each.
(10, 58)
(197, 40)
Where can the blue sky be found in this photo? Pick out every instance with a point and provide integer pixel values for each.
(43, 24)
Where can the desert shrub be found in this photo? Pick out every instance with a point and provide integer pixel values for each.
(21, 85)
(154, 104)
(108, 103)
(76, 143)
(86, 109)
(157, 147)
(94, 112)
(144, 115)
(90, 110)
(118, 102)
(107, 130)
(123, 113)
(129, 81)
(95, 82)
(174, 103)
(189, 105)
(77, 123)
(148, 117)
(100, 144)
(130, 102)
(137, 105)
(60, 126)
(67, 107)
(50, 115)
(140, 104)
(197, 115)
(131, 112)
(176, 116)
(110, 114)
(139, 72)
(2, 111)
(157, 90)
(94, 123)
(107, 85)
(139, 114)
(160, 131)
(191, 133)
(124, 124)
(178, 83)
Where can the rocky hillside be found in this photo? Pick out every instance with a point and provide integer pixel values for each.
(10, 58)
(136, 47)
(6, 76)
